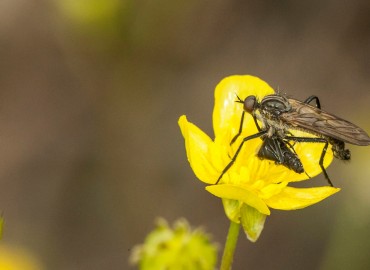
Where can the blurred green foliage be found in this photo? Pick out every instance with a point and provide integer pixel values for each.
(177, 248)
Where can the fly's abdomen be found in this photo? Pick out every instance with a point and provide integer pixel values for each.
(293, 162)
(276, 149)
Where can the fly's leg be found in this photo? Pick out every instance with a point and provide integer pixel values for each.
(311, 98)
(241, 127)
(257, 135)
(316, 140)
(291, 146)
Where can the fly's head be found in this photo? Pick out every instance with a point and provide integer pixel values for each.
(250, 104)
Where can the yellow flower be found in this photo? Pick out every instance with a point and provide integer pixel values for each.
(251, 186)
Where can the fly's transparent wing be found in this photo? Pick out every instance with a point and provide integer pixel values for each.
(307, 117)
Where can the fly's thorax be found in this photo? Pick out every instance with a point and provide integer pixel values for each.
(262, 119)
(271, 132)
(277, 126)
(272, 124)
(272, 106)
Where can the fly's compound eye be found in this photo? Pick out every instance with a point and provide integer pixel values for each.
(250, 103)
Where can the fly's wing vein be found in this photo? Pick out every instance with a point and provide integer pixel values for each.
(319, 122)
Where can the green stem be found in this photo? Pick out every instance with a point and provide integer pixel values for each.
(231, 240)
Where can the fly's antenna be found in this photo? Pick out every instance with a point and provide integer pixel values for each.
(239, 99)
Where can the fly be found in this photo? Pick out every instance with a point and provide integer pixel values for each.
(276, 149)
(279, 115)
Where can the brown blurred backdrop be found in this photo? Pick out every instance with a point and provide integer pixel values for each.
(90, 149)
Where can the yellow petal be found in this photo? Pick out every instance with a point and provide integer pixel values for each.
(205, 157)
(233, 192)
(272, 190)
(296, 198)
(227, 113)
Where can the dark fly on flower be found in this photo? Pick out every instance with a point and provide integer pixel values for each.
(281, 151)
(279, 115)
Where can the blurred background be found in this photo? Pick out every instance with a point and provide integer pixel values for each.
(90, 149)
